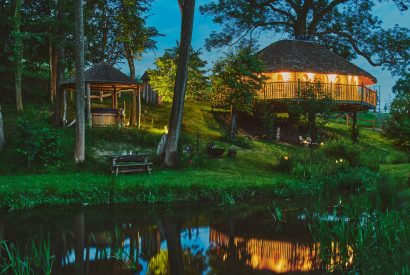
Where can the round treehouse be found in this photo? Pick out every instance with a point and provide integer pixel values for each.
(295, 65)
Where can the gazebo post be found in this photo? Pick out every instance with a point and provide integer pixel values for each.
(88, 103)
(114, 98)
(133, 113)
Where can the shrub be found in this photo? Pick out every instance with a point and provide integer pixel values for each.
(355, 179)
(343, 149)
(36, 140)
(242, 141)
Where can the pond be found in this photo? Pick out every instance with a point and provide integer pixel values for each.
(146, 239)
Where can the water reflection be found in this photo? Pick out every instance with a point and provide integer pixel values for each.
(165, 241)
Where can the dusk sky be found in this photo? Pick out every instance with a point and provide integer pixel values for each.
(165, 16)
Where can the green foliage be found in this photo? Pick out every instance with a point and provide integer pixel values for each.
(33, 258)
(315, 106)
(237, 78)
(242, 141)
(397, 126)
(335, 24)
(354, 179)
(37, 140)
(343, 149)
(269, 119)
(162, 78)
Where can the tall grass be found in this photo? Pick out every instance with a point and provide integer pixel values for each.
(33, 258)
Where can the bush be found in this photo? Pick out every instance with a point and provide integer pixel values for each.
(355, 179)
(38, 141)
(343, 149)
(242, 141)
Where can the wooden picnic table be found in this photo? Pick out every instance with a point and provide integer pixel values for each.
(130, 163)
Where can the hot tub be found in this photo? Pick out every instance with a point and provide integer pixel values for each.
(104, 117)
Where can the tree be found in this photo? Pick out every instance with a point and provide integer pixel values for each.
(119, 27)
(18, 54)
(397, 126)
(134, 37)
(79, 152)
(348, 27)
(314, 105)
(162, 78)
(187, 8)
(236, 80)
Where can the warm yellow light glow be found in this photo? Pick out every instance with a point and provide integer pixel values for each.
(331, 77)
(310, 76)
(286, 76)
(286, 157)
(353, 79)
(281, 256)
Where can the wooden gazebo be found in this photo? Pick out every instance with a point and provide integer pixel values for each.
(292, 65)
(102, 81)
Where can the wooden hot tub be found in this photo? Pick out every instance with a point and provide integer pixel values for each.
(104, 117)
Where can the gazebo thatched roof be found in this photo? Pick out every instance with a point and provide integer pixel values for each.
(306, 56)
(104, 77)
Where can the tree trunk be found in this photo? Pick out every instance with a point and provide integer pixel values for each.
(173, 237)
(139, 108)
(79, 153)
(54, 60)
(58, 120)
(131, 65)
(355, 128)
(18, 55)
(64, 107)
(234, 122)
(187, 9)
(2, 141)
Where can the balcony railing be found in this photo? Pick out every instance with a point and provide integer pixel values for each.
(355, 94)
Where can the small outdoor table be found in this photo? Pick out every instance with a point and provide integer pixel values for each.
(130, 163)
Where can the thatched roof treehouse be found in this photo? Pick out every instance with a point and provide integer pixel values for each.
(295, 64)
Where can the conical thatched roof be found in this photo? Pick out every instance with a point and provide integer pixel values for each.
(104, 77)
(305, 56)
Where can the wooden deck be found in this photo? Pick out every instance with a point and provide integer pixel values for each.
(355, 96)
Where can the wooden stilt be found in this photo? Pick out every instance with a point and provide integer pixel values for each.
(355, 128)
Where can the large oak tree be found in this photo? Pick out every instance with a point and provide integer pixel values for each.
(349, 27)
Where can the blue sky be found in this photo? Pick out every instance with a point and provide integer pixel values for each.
(165, 16)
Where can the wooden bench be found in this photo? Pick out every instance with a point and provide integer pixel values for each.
(130, 163)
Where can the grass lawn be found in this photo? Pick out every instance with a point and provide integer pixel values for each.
(251, 175)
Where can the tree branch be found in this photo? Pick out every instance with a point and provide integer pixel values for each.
(356, 48)
(319, 16)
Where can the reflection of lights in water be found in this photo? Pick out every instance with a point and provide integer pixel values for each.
(281, 256)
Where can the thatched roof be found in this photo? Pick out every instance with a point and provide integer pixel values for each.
(305, 56)
(104, 77)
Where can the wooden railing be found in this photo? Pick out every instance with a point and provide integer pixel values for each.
(339, 92)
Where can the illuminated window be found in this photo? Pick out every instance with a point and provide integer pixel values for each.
(286, 76)
(332, 77)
